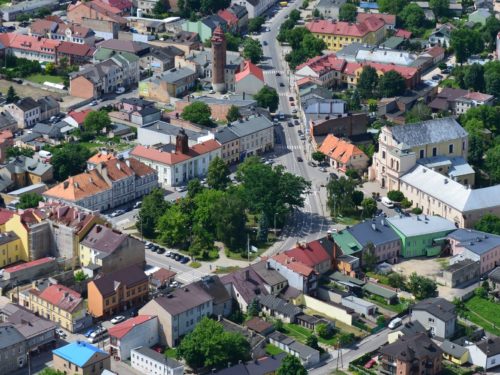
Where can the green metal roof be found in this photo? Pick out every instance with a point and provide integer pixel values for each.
(346, 242)
(379, 291)
(105, 53)
(338, 276)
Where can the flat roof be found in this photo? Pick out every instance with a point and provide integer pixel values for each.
(411, 226)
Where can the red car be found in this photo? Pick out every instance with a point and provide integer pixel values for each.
(158, 348)
(370, 363)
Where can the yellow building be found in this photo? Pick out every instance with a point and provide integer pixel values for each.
(455, 353)
(337, 35)
(57, 303)
(11, 248)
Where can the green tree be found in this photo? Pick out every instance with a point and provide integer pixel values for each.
(372, 105)
(202, 241)
(14, 151)
(348, 12)
(488, 223)
(233, 114)
(340, 196)
(490, 31)
(318, 156)
(465, 42)
(316, 13)
(194, 187)
(160, 9)
(474, 78)
(406, 203)
(233, 42)
(209, 345)
(152, 208)
(418, 113)
(96, 122)
(413, 17)
(230, 221)
(367, 82)
(267, 97)
(255, 24)
(278, 325)
(421, 287)
(80, 276)
(174, 226)
(312, 46)
(440, 7)
(198, 113)
(50, 69)
(50, 371)
(397, 280)
(484, 116)
(252, 50)
(218, 174)
(294, 15)
(369, 207)
(69, 159)
(11, 95)
(481, 292)
(357, 197)
(391, 84)
(492, 163)
(312, 341)
(476, 149)
(254, 308)
(395, 195)
(291, 365)
(354, 101)
(369, 258)
(29, 200)
(325, 331)
(391, 6)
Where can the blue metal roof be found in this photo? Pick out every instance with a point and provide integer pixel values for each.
(368, 5)
(78, 352)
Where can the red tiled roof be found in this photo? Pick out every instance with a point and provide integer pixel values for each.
(61, 296)
(27, 265)
(101, 157)
(76, 49)
(478, 96)
(5, 215)
(345, 28)
(405, 34)
(311, 255)
(389, 19)
(227, 16)
(338, 149)
(324, 64)
(120, 4)
(250, 69)
(163, 275)
(435, 51)
(170, 158)
(80, 116)
(122, 329)
(406, 71)
(107, 6)
(293, 264)
(29, 43)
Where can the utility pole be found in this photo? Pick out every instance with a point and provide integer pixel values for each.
(248, 247)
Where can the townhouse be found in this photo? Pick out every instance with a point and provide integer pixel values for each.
(179, 312)
(245, 285)
(236, 17)
(57, 303)
(173, 83)
(23, 171)
(54, 28)
(80, 358)
(12, 349)
(299, 276)
(337, 34)
(122, 289)
(176, 166)
(81, 11)
(205, 26)
(135, 332)
(458, 101)
(343, 155)
(109, 184)
(25, 111)
(255, 8)
(437, 316)
(148, 361)
(104, 249)
(11, 249)
(486, 353)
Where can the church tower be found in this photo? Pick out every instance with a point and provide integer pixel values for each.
(218, 60)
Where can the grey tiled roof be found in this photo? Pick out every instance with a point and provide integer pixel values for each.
(475, 241)
(158, 357)
(428, 132)
(225, 135)
(453, 349)
(438, 307)
(277, 304)
(251, 125)
(364, 232)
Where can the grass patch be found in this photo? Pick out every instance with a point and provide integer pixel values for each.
(346, 220)
(443, 262)
(484, 313)
(382, 279)
(224, 270)
(273, 350)
(41, 78)
(195, 264)
(171, 353)
(399, 307)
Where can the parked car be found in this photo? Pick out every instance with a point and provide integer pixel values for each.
(290, 124)
(120, 90)
(117, 213)
(294, 110)
(60, 333)
(322, 169)
(89, 332)
(184, 260)
(278, 74)
(137, 204)
(264, 43)
(395, 323)
(387, 202)
(118, 319)
(169, 253)
(93, 103)
(161, 250)
(290, 98)
(180, 188)
(174, 284)
(299, 159)
(282, 84)
(296, 122)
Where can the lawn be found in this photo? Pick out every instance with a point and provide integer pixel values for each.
(224, 270)
(273, 350)
(382, 279)
(41, 78)
(171, 353)
(484, 313)
(400, 307)
(301, 333)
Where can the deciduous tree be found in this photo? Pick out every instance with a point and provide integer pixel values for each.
(348, 12)
(391, 84)
(291, 366)
(29, 200)
(152, 208)
(267, 97)
(489, 223)
(69, 160)
(252, 50)
(421, 287)
(367, 82)
(198, 113)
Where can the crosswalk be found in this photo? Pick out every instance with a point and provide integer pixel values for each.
(289, 147)
(273, 72)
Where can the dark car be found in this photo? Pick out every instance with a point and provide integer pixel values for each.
(89, 332)
(296, 122)
(177, 257)
(161, 250)
(278, 74)
(334, 176)
(378, 212)
(300, 159)
(184, 260)
(154, 248)
(290, 124)
(282, 84)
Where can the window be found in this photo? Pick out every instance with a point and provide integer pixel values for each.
(422, 154)
(450, 149)
(434, 151)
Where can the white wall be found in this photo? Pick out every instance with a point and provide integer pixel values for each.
(144, 334)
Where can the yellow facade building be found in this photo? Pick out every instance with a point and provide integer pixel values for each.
(11, 248)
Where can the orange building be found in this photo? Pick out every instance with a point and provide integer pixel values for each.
(117, 291)
(342, 154)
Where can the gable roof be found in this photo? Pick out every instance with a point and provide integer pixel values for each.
(475, 241)
(76, 49)
(250, 69)
(438, 307)
(78, 187)
(339, 150)
(124, 328)
(128, 276)
(365, 233)
(410, 348)
(183, 299)
(277, 304)
(104, 239)
(79, 353)
(270, 276)
(61, 296)
(360, 29)
(453, 349)
(312, 254)
(79, 116)
(247, 283)
(158, 357)
(294, 265)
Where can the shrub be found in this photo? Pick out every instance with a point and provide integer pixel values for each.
(395, 196)
(417, 211)
(406, 203)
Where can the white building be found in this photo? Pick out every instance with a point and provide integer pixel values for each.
(486, 353)
(141, 330)
(255, 7)
(177, 165)
(471, 100)
(149, 362)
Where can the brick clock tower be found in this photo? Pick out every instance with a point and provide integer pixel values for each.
(218, 60)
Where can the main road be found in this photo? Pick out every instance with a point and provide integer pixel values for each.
(311, 221)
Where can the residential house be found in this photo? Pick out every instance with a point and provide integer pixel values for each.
(159, 60)
(129, 62)
(336, 34)
(263, 366)
(409, 329)
(81, 11)
(139, 111)
(414, 354)
(108, 185)
(7, 123)
(55, 28)
(388, 19)
(11, 249)
(245, 285)
(330, 8)
(400, 148)
(92, 81)
(455, 353)
(377, 232)
(480, 16)
(343, 155)
(117, 291)
(161, 279)
(486, 353)
(13, 348)
(23, 171)
(173, 83)
(76, 118)
(38, 332)
(279, 309)
(472, 100)
(205, 26)
(274, 283)
(437, 315)
(104, 249)
(255, 8)
(30, 47)
(459, 101)
(111, 47)
(75, 53)
(436, 194)
(57, 303)
(184, 40)
(421, 235)
(179, 312)
(160, 132)
(28, 7)
(250, 79)
(441, 36)
(148, 361)
(307, 355)
(222, 303)
(49, 107)
(299, 276)
(82, 358)
(259, 326)
(176, 166)
(236, 17)
(134, 332)
(315, 254)
(477, 246)
(25, 111)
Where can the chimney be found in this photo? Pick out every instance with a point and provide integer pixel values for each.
(98, 229)
(181, 143)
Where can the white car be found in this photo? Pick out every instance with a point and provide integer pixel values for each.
(93, 103)
(211, 92)
(60, 333)
(120, 90)
(180, 188)
(118, 319)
